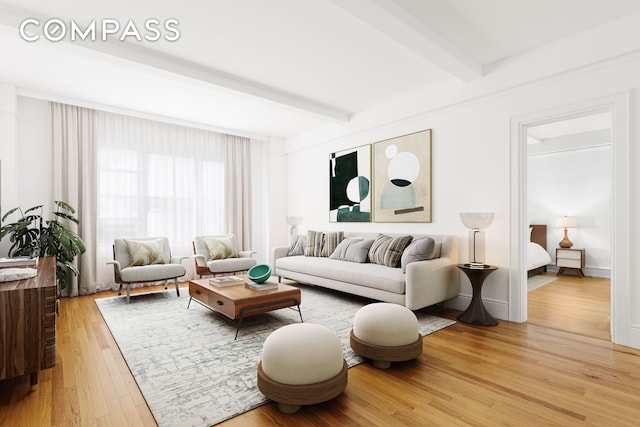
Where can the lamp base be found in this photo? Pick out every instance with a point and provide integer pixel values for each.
(565, 242)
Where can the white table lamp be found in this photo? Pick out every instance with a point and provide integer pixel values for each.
(476, 222)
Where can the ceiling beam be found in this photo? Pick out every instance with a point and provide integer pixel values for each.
(123, 52)
(393, 20)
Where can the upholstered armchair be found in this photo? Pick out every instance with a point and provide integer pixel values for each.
(145, 259)
(217, 254)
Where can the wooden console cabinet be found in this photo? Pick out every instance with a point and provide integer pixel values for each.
(28, 324)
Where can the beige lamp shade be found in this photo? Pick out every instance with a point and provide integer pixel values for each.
(476, 220)
(566, 222)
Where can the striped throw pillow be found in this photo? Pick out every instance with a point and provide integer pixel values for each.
(330, 242)
(387, 250)
(314, 243)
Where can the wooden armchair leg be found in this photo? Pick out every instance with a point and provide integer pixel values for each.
(120, 290)
(166, 284)
(177, 287)
(128, 293)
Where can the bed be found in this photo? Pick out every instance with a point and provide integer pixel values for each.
(537, 256)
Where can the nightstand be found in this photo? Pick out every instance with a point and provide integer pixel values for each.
(570, 259)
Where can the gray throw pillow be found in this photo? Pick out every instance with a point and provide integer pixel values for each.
(352, 250)
(298, 246)
(419, 250)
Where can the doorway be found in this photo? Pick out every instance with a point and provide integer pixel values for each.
(569, 177)
(620, 308)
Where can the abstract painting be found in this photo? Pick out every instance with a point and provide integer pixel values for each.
(350, 185)
(402, 178)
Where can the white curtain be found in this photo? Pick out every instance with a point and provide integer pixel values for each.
(238, 190)
(156, 179)
(73, 181)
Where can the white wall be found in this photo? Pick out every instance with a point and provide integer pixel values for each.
(574, 183)
(471, 163)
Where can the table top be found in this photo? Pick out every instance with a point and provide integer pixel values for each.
(240, 291)
(468, 267)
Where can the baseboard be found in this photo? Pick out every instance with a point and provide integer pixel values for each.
(603, 273)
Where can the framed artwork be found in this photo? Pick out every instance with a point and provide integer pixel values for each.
(350, 185)
(402, 178)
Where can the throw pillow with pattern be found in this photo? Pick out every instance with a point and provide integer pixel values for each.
(146, 252)
(221, 247)
(387, 250)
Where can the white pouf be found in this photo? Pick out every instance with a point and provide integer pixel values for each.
(302, 364)
(386, 333)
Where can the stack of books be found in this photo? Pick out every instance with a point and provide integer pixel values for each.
(261, 286)
(226, 281)
(19, 262)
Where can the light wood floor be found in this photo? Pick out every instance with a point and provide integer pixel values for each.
(581, 306)
(510, 374)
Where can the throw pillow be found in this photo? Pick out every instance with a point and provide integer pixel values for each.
(330, 242)
(298, 246)
(387, 250)
(314, 243)
(221, 247)
(418, 250)
(146, 252)
(353, 250)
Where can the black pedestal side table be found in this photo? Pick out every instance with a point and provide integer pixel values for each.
(476, 313)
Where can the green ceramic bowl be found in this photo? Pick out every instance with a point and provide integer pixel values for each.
(259, 273)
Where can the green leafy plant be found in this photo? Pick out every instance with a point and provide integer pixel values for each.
(31, 235)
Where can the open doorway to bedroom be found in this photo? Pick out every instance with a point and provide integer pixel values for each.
(569, 191)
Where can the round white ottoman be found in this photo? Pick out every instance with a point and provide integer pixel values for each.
(386, 333)
(302, 364)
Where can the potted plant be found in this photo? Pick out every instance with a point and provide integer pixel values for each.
(31, 235)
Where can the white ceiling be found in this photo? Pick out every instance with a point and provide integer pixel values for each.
(279, 67)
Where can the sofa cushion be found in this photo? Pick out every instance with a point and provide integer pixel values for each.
(314, 243)
(353, 250)
(150, 273)
(298, 245)
(221, 247)
(419, 250)
(146, 252)
(370, 275)
(330, 242)
(387, 250)
(322, 244)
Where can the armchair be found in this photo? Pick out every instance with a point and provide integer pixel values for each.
(225, 258)
(145, 259)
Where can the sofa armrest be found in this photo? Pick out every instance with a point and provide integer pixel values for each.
(201, 261)
(178, 259)
(246, 254)
(430, 282)
(116, 266)
(278, 252)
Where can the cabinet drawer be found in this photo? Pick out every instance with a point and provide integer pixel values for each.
(563, 253)
(571, 263)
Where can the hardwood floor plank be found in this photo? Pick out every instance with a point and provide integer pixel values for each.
(511, 374)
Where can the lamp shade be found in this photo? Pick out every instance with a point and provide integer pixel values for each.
(566, 222)
(476, 220)
(294, 220)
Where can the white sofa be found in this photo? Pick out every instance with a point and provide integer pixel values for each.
(425, 282)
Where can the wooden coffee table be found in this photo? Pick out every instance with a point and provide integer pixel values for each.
(238, 302)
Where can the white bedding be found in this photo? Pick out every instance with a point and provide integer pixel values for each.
(537, 256)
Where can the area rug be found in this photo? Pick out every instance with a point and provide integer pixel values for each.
(188, 366)
(536, 282)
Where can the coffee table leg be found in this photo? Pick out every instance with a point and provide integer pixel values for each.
(190, 298)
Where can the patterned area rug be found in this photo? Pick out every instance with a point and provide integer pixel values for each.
(187, 364)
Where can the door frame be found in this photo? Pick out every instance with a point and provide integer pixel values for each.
(618, 105)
